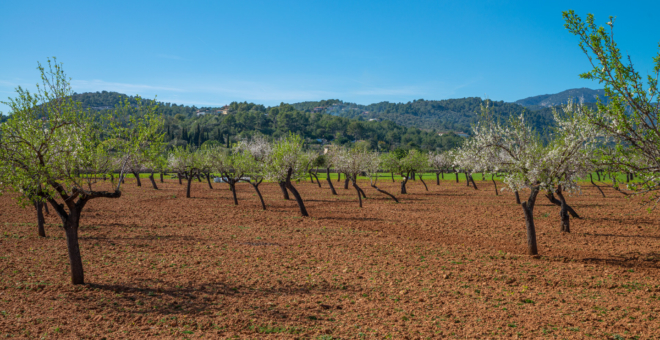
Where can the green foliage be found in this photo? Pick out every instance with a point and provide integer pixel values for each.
(51, 142)
(631, 115)
(287, 155)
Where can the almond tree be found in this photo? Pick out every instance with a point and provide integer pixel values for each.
(257, 153)
(50, 139)
(372, 165)
(413, 161)
(439, 162)
(526, 163)
(288, 161)
(326, 161)
(352, 162)
(186, 162)
(631, 113)
(232, 165)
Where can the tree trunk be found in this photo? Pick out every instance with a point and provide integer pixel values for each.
(528, 208)
(38, 205)
(346, 181)
(199, 179)
(517, 198)
(385, 192)
(471, 179)
(557, 202)
(392, 176)
(403, 185)
(332, 187)
(153, 182)
(594, 184)
(137, 178)
(338, 177)
(492, 178)
(75, 260)
(296, 195)
(317, 178)
(232, 184)
(598, 174)
(208, 179)
(357, 189)
(161, 177)
(437, 178)
(467, 179)
(190, 179)
(285, 193)
(45, 205)
(422, 180)
(442, 174)
(179, 175)
(310, 176)
(456, 172)
(255, 185)
(563, 213)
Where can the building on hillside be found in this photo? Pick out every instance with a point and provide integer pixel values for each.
(200, 112)
(224, 110)
(318, 109)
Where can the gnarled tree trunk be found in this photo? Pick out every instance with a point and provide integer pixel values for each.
(296, 195)
(517, 197)
(594, 184)
(346, 181)
(285, 193)
(255, 185)
(153, 182)
(384, 192)
(553, 200)
(38, 205)
(528, 208)
(161, 177)
(137, 178)
(190, 179)
(332, 187)
(422, 180)
(71, 223)
(563, 213)
(357, 189)
(404, 180)
(208, 179)
(437, 178)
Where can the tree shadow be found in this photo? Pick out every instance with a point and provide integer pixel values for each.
(209, 298)
(625, 236)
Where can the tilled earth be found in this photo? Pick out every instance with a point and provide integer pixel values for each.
(445, 263)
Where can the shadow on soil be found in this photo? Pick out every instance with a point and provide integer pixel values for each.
(209, 298)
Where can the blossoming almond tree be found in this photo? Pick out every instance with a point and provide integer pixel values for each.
(257, 152)
(49, 139)
(526, 163)
(288, 162)
(352, 162)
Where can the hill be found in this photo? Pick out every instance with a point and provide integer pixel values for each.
(548, 100)
(440, 115)
(195, 126)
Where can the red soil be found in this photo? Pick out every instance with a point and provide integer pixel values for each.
(444, 263)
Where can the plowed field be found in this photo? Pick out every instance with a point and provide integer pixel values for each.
(447, 263)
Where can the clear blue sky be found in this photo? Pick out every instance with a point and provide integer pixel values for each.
(212, 53)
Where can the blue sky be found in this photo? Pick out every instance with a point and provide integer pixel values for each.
(212, 53)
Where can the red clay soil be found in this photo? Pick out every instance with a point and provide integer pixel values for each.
(447, 263)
